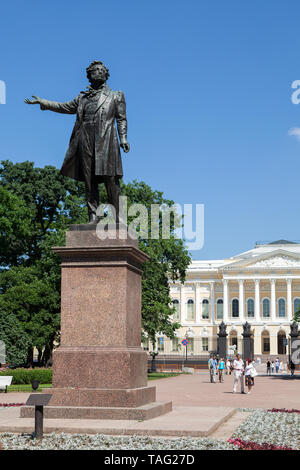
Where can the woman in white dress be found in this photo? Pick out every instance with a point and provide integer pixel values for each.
(250, 373)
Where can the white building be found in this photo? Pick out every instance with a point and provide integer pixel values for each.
(261, 286)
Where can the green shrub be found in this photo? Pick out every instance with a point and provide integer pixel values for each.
(25, 376)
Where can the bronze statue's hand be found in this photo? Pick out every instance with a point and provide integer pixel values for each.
(36, 100)
(125, 146)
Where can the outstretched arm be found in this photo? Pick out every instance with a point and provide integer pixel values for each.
(69, 107)
(122, 120)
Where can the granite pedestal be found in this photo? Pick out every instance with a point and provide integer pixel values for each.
(100, 369)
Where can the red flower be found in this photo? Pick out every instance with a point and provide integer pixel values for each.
(283, 410)
(250, 445)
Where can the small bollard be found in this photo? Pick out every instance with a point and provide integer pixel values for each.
(38, 401)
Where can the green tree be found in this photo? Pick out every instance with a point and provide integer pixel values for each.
(52, 201)
(37, 205)
(15, 339)
(297, 316)
(15, 220)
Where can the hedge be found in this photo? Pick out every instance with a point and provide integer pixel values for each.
(26, 376)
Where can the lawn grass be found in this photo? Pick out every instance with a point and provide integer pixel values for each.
(27, 388)
(161, 375)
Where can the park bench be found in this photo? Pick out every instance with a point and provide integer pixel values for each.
(5, 381)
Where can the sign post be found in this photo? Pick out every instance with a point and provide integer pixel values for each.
(38, 401)
(185, 343)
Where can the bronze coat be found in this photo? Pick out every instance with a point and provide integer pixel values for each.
(111, 106)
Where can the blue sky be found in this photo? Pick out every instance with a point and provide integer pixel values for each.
(208, 90)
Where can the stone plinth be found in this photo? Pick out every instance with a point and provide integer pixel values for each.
(100, 365)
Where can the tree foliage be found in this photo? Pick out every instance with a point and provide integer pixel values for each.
(15, 339)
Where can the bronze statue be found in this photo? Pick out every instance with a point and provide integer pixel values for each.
(222, 329)
(294, 329)
(246, 329)
(94, 155)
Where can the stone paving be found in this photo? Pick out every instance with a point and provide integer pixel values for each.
(199, 408)
(280, 391)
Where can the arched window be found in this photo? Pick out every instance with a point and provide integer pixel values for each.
(205, 309)
(266, 308)
(281, 308)
(190, 310)
(281, 340)
(296, 305)
(250, 308)
(175, 303)
(235, 308)
(219, 309)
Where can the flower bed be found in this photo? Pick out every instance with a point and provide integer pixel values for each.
(249, 445)
(280, 429)
(63, 441)
(283, 410)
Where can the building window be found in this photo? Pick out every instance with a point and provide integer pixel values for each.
(219, 309)
(204, 344)
(190, 346)
(190, 310)
(281, 308)
(160, 347)
(250, 308)
(175, 344)
(205, 309)
(146, 344)
(296, 305)
(235, 308)
(266, 344)
(266, 308)
(176, 306)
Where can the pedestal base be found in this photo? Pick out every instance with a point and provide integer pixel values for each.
(100, 369)
(102, 398)
(141, 413)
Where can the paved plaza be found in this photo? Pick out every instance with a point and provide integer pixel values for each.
(280, 391)
(200, 408)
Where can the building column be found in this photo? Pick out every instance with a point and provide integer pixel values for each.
(212, 303)
(225, 300)
(257, 301)
(182, 305)
(241, 300)
(197, 300)
(289, 300)
(273, 300)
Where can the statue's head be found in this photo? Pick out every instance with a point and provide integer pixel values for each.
(97, 72)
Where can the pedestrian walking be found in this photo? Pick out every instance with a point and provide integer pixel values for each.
(221, 368)
(238, 373)
(228, 364)
(272, 367)
(212, 365)
(292, 367)
(250, 373)
(268, 367)
(277, 363)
